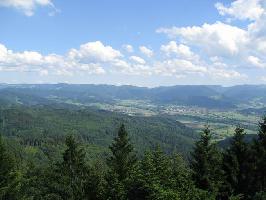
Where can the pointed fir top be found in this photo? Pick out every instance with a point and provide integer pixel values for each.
(122, 131)
(262, 126)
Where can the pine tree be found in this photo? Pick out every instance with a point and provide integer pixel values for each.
(121, 164)
(206, 164)
(74, 168)
(70, 179)
(123, 158)
(259, 155)
(61, 180)
(236, 164)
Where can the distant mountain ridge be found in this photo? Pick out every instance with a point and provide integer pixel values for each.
(209, 96)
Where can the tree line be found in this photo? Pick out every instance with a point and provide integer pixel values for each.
(234, 173)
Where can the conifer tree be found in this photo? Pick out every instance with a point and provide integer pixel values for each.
(70, 179)
(123, 158)
(259, 155)
(74, 168)
(121, 164)
(62, 180)
(206, 164)
(236, 164)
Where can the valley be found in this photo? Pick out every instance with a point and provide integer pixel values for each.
(222, 121)
(222, 108)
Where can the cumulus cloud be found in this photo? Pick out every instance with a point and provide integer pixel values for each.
(137, 59)
(255, 61)
(146, 51)
(225, 48)
(242, 9)
(132, 68)
(217, 38)
(30, 61)
(183, 68)
(251, 10)
(177, 67)
(28, 6)
(97, 58)
(179, 50)
(94, 51)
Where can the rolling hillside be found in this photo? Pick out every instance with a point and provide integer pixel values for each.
(41, 126)
(203, 96)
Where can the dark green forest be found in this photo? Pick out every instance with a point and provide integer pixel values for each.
(40, 131)
(67, 170)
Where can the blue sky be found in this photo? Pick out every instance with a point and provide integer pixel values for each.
(145, 43)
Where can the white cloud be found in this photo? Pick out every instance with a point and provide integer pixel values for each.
(180, 50)
(242, 9)
(225, 74)
(255, 61)
(178, 67)
(225, 50)
(92, 68)
(184, 68)
(137, 59)
(217, 38)
(11, 59)
(27, 6)
(128, 48)
(135, 68)
(30, 61)
(257, 31)
(227, 45)
(146, 51)
(94, 51)
(255, 12)
(28, 57)
(97, 58)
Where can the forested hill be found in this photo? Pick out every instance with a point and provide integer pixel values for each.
(43, 128)
(234, 173)
(197, 95)
(55, 145)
